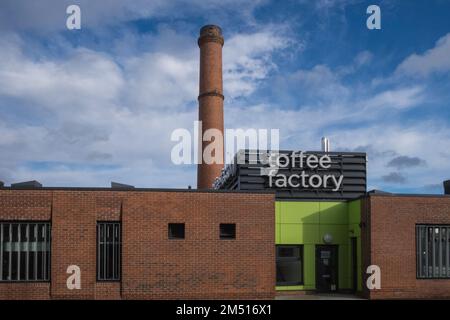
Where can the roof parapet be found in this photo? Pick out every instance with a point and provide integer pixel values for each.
(116, 185)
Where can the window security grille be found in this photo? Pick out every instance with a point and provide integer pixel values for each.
(433, 251)
(108, 251)
(25, 251)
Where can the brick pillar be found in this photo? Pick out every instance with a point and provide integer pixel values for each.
(73, 243)
(210, 98)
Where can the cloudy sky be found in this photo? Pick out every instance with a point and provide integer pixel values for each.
(90, 106)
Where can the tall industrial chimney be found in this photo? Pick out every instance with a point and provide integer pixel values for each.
(210, 99)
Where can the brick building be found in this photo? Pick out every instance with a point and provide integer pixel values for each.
(242, 234)
(408, 237)
(203, 261)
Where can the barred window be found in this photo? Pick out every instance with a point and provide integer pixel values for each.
(108, 251)
(25, 251)
(433, 251)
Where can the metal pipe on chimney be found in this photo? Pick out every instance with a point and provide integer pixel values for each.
(325, 144)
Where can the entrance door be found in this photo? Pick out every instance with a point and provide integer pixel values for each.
(354, 264)
(326, 268)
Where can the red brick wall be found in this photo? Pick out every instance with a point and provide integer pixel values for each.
(201, 266)
(391, 231)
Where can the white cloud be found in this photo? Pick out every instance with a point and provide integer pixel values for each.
(96, 108)
(397, 98)
(322, 82)
(87, 108)
(361, 60)
(413, 140)
(435, 60)
(84, 79)
(50, 15)
(161, 81)
(248, 59)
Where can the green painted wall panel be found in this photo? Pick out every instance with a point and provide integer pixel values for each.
(354, 212)
(299, 212)
(278, 206)
(333, 212)
(344, 267)
(354, 230)
(277, 233)
(306, 222)
(299, 233)
(309, 256)
(339, 233)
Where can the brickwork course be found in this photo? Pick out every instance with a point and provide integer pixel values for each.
(153, 267)
(389, 241)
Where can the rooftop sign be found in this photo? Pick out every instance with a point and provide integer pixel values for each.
(297, 174)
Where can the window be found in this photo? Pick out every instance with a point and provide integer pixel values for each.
(108, 251)
(227, 231)
(433, 251)
(176, 230)
(289, 265)
(24, 251)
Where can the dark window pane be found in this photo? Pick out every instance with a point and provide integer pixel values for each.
(289, 272)
(227, 231)
(102, 261)
(109, 233)
(110, 261)
(23, 232)
(289, 252)
(5, 266)
(23, 265)
(176, 230)
(47, 270)
(289, 265)
(32, 232)
(15, 232)
(31, 265)
(41, 232)
(6, 232)
(39, 266)
(14, 266)
(116, 233)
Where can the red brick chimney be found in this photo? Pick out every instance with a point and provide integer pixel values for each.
(210, 99)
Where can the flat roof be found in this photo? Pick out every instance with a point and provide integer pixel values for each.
(134, 189)
(372, 193)
(410, 195)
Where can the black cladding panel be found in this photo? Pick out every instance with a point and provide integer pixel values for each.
(352, 166)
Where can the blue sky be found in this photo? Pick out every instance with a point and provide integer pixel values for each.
(85, 107)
